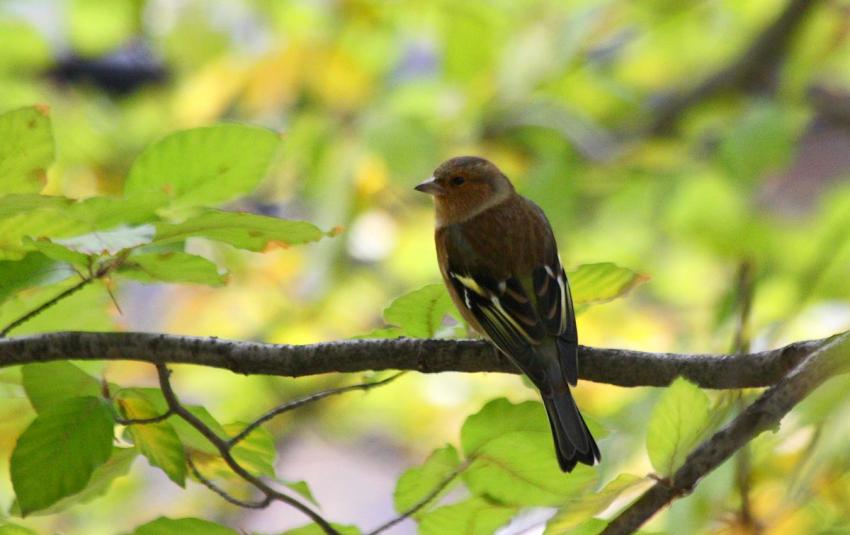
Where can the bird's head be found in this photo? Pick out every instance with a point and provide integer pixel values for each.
(465, 186)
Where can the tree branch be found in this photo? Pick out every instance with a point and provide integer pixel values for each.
(300, 402)
(265, 502)
(765, 413)
(620, 367)
(431, 496)
(177, 409)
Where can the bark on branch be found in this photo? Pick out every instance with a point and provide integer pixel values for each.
(620, 367)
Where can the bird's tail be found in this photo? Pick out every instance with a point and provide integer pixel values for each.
(573, 441)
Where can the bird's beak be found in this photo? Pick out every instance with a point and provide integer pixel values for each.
(430, 186)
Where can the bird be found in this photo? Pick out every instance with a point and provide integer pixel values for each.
(499, 260)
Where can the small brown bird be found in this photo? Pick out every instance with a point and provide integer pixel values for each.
(500, 262)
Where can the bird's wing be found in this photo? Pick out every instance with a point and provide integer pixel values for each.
(555, 307)
(517, 312)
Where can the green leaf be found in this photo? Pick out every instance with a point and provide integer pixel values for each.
(39, 216)
(594, 526)
(157, 441)
(14, 529)
(109, 242)
(34, 269)
(580, 508)
(204, 166)
(420, 313)
(49, 384)
(302, 488)
(678, 421)
(57, 454)
(84, 310)
(171, 266)
(418, 482)
(475, 516)
(26, 150)
(498, 417)
(314, 529)
(519, 468)
(513, 456)
(599, 283)
(245, 231)
(117, 466)
(183, 526)
(57, 252)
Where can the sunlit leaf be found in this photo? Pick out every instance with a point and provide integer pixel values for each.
(678, 420)
(58, 252)
(183, 526)
(57, 454)
(246, 231)
(48, 217)
(314, 529)
(420, 313)
(475, 516)
(15, 529)
(419, 482)
(26, 150)
(189, 436)
(514, 458)
(109, 241)
(204, 166)
(157, 441)
(48, 384)
(519, 468)
(498, 417)
(256, 453)
(579, 509)
(171, 266)
(34, 269)
(84, 310)
(598, 283)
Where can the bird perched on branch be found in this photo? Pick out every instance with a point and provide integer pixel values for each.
(500, 262)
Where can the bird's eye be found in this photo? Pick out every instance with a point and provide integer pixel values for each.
(458, 180)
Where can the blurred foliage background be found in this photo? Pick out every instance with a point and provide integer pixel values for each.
(597, 109)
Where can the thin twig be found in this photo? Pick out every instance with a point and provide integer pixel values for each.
(415, 508)
(763, 414)
(145, 421)
(224, 450)
(41, 308)
(103, 269)
(297, 403)
(224, 494)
